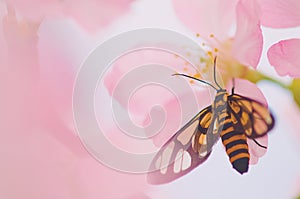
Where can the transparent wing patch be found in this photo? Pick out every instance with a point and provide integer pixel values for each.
(181, 153)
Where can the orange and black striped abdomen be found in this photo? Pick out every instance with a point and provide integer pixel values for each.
(235, 143)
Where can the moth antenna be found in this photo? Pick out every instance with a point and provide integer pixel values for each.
(199, 80)
(215, 79)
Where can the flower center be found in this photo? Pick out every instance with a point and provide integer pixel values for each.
(227, 66)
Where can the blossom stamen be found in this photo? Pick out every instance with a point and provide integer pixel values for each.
(197, 75)
(210, 54)
(215, 39)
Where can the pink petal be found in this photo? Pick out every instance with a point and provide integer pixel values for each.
(280, 13)
(42, 157)
(248, 40)
(54, 107)
(42, 86)
(34, 161)
(247, 89)
(57, 74)
(139, 196)
(31, 162)
(285, 58)
(207, 17)
(21, 41)
(19, 71)
(122, 78)
(256, 151)
(34, 10)
(178, 112)
(97, 181)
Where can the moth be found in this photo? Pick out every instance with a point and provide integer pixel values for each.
(231, 117)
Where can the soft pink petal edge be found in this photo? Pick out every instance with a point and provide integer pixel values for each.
(284, 57)
(248, 40)
(256, 151)
(207, 17)
(280, 13)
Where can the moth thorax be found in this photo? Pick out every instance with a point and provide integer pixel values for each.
(221, 99)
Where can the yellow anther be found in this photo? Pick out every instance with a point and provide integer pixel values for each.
(210, 54)
(192, 81)
(197, 35)
(211, 35)
(176, 56)
(216, 50)
(197, 75)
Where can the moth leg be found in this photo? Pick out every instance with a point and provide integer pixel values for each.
(259, 144)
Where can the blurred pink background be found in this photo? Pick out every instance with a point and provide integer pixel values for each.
(42, 45)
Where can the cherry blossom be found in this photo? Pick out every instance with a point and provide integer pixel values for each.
(235, 36)
(236, 50)
(236, 40)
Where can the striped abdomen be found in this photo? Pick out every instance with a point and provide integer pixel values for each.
(235, 144)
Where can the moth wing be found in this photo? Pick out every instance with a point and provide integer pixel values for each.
(180, 155)
(253, 117)
(213, 130)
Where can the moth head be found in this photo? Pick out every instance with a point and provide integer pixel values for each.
(221, 100)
